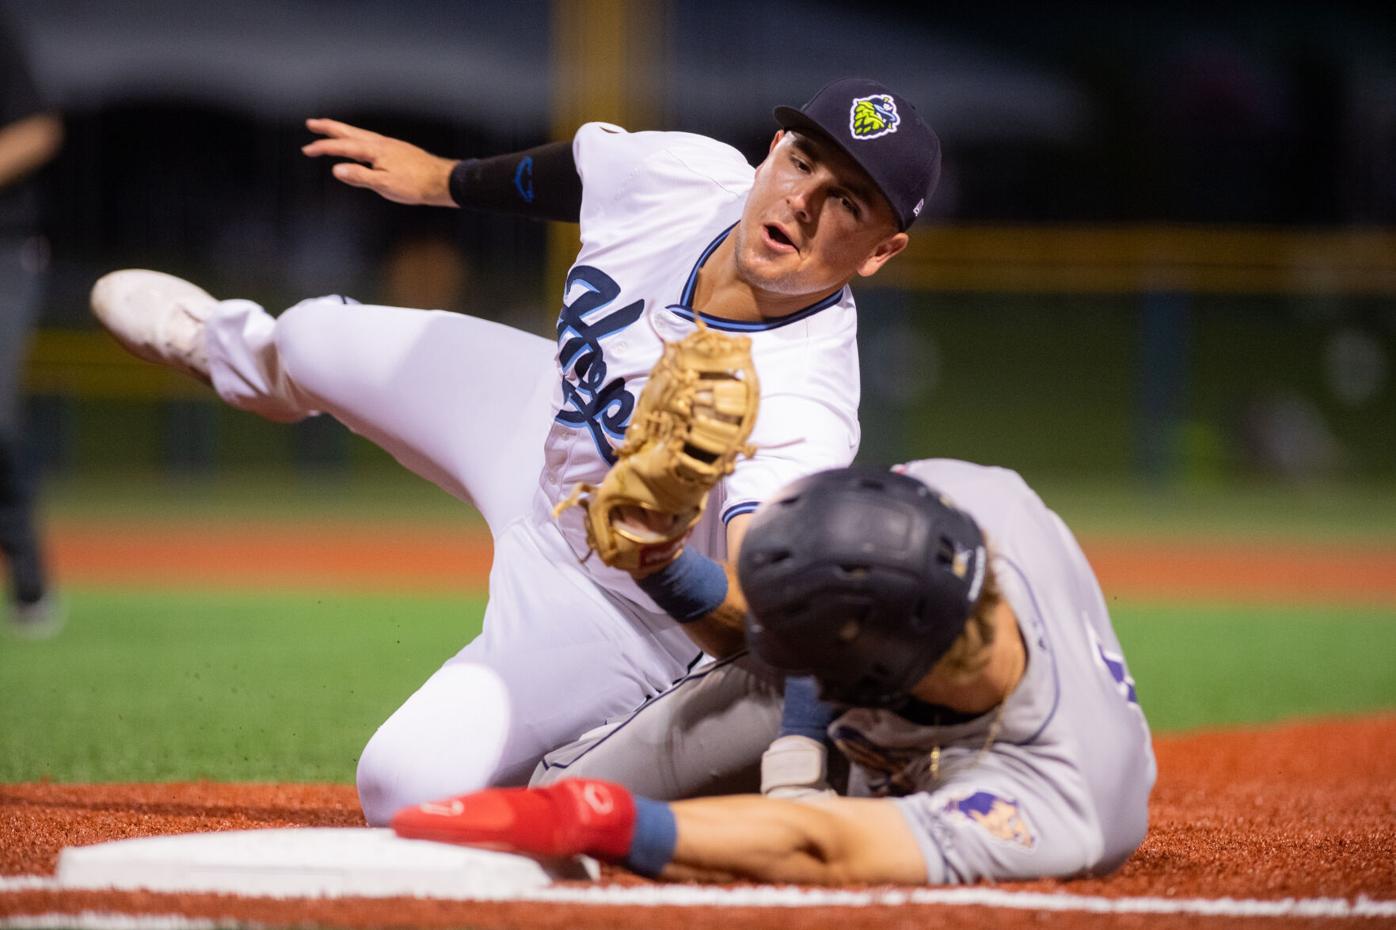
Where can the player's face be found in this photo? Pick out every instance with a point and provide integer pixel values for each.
(812, 221)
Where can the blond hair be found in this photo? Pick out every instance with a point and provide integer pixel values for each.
(972, 649)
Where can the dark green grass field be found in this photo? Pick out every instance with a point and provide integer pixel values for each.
(156, 685)
(159, 686)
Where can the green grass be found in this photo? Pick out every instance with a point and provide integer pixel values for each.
(1274, 511)
(152, 686)
(1300, 513)
(149, 686)
(1198, 665)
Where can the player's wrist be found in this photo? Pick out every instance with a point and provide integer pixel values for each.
(688, 588)
(654, 838)
(438, 188)
(803, 713)
(460, 180)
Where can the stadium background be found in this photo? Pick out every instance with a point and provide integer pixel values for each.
(1159, 279)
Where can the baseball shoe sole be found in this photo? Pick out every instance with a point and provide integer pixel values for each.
(157, 317)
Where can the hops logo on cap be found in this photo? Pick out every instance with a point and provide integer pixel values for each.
(873, 116)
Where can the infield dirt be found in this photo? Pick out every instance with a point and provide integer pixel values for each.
(351, 555)
(1303, 810)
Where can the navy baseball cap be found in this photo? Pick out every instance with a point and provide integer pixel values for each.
(882, 132)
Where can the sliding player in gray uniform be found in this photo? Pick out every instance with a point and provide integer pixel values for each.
(984, 706)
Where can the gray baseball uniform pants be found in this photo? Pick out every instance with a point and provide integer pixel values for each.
(703, 736)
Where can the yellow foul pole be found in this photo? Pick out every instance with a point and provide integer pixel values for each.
(607, 59)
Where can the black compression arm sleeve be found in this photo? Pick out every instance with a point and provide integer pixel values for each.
(541, 183)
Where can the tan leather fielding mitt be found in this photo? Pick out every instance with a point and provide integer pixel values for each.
(691, 422)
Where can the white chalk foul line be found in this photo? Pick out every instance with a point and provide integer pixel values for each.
(28, 883)
(93, 920)
(790, 896)
(784, 896)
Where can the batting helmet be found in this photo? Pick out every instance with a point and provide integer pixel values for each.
(861, 577)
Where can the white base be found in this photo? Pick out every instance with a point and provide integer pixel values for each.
(311, 863)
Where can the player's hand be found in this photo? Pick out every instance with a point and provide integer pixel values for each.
(396, 170)
(572, 817)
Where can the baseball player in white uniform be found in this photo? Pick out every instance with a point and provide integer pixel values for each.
(988, 717)
(673, 225)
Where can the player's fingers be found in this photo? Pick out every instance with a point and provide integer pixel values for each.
(335, 129)
(358, 150)
(358, 175)
(643, 524)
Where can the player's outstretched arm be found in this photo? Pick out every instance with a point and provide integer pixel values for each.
(540, 183)
(838, 841)
(396, 170)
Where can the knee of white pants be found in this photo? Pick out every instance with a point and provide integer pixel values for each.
(304, 341)
(447, 739)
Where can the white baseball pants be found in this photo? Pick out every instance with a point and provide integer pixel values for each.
(466, 404)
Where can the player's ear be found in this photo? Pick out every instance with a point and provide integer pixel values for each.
(883, 253)
(775, 140)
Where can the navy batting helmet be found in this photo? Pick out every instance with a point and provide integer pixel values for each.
(861, 577)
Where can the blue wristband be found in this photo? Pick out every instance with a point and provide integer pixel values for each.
(656, 834)
(804, 713)
(689, 587)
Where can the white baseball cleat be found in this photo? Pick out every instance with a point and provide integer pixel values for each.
(157, 317)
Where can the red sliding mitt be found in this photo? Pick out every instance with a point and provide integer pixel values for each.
(577, 816)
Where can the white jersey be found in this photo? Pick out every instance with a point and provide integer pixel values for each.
(1063, 788)
(512, 422)
(655, 205)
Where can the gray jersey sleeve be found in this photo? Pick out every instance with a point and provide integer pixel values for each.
(1001, 821)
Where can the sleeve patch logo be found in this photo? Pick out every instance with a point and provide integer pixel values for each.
(873, 116)
(1002, 818)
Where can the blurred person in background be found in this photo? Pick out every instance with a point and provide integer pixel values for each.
(30, 136)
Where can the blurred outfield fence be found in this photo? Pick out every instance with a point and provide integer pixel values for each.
(1171, 353)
